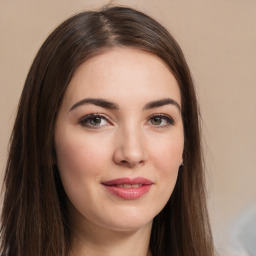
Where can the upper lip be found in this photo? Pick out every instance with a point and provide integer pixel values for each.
(126, 180)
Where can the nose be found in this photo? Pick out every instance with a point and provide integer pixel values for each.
(130, 149)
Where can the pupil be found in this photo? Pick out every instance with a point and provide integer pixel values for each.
(96, 121)
(156, 120)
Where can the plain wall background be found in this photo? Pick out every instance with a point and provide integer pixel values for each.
(219, 40)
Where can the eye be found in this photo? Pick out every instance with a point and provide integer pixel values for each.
(161, 120)
(94, 121)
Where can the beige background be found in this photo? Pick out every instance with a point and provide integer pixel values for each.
(218, 38)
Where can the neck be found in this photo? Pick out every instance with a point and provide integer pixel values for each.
(99, 241)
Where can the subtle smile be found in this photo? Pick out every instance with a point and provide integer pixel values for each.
(127, 188)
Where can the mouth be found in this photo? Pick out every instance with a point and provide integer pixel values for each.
(127, 188)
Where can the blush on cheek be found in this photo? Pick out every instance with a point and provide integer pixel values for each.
(168, 156)
(82, 160)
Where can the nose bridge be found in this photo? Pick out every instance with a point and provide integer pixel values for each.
(132, 139)
(130, 148)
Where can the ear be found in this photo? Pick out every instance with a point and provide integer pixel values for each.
(181, 165)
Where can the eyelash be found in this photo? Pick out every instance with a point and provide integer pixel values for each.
(162, 117)
(85, 120)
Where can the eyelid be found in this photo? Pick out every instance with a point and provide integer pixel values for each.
(82, 121)
(167, 117)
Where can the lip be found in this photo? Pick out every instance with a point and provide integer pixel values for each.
(130, 193)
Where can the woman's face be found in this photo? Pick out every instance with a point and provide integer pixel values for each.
(119, 139)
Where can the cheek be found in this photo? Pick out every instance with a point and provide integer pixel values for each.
(167, 157)
(80, 159)
(167, 153)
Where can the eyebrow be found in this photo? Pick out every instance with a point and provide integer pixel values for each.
(162, 102)
(98, 102)
(110, 105)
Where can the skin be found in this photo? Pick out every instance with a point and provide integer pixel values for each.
(126, 142)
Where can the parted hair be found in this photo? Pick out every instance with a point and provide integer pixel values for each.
(35, 220)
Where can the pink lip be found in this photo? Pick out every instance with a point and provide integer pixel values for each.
(128, 193)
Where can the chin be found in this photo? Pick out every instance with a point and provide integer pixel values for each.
(129, 220)
(130, 226)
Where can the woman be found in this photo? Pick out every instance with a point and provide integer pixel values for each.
(105, 154)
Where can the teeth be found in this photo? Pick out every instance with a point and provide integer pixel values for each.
(136, 185)
(129, 185)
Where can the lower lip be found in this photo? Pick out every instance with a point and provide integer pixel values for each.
(129, 193)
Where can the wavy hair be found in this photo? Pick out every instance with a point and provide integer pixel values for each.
(35, 220)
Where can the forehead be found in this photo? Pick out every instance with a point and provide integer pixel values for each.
(122, 72)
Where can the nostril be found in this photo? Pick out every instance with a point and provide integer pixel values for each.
(131, 164)
(129, 155)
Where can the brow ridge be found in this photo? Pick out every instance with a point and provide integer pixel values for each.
(110, 105)
(160, 103)
(95, 101)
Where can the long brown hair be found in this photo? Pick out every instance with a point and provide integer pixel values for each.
(34, 218)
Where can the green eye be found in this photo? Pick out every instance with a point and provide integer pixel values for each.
(94, 121)
(156, 120)
(161, 120)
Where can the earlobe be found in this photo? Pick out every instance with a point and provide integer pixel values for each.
(181, 165)
(182, 162)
